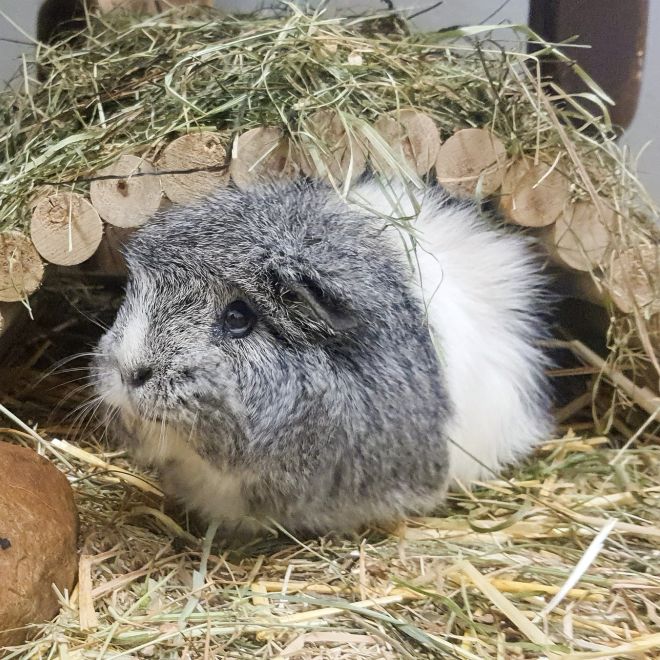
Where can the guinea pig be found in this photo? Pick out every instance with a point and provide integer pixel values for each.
(284, 354)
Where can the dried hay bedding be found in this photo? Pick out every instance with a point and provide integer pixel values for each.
(479, 581)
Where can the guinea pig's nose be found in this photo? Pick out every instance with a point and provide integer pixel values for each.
(139, 376)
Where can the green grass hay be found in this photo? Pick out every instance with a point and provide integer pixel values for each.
(557, 559)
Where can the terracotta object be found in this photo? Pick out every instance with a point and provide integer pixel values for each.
(38, 534)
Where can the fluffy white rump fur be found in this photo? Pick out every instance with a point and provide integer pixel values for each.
(479, 286)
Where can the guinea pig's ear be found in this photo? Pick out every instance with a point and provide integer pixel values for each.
(312, 300)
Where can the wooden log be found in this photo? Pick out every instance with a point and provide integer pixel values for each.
(471, 162)
(65, 228)
(331, 152)
(203, 151)
(21, 268)
(634, 279)
(582, 237)
(412, 136)
(261, 154)
(132, 197)
(533, 195)
(147, 6)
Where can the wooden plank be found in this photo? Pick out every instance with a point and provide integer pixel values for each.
(616, 32)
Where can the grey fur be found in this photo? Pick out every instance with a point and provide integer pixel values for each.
(333, 409)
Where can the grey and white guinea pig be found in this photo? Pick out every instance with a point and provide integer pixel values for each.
(283, 354)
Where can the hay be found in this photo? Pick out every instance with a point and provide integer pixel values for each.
(520, 568)
(557, 559)
(131, 85)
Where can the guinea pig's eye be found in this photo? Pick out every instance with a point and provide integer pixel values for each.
(238, 319)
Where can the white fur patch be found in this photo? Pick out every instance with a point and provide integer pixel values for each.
(196, 482)
(470, 279)
(132, 343)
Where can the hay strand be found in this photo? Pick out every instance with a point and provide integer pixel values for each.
(146, 6)
(512, 613)
(331, 150)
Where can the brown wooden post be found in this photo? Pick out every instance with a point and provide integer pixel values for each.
(616, 31)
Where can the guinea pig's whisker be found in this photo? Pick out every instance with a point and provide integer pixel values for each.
(79, 415)
(86, 412)
(88, 368)
(75, 390)
(55, 368)
(89, 317)
(160, 414)
(109, 416)
(103, 421)
(71, 381)
(68, 396)
(73, 415)
(161, 437)
(191, 433)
